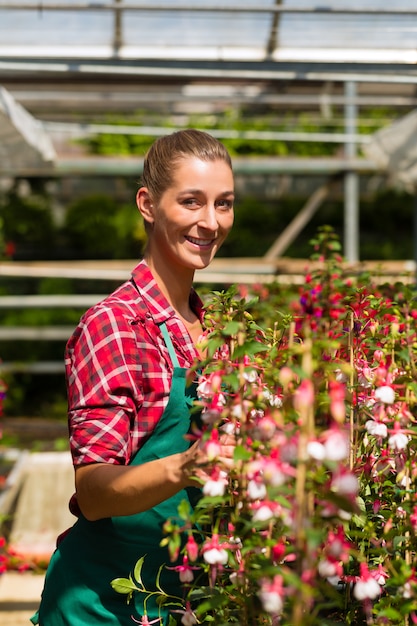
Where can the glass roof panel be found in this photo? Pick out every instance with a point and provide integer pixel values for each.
(170, 31)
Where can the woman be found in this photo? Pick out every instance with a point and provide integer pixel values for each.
(128, 402)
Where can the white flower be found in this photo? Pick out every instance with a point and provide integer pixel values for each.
(216, 556)
(327, 568)
(273, 474)
(366, 589)
(315, 450)
(229, 428)
(341, 377)
(263, 514)
(398, 441)
(346, 484)
(271, 602)
(216, 487)
(273, 399)
(336, 446)
(250, 376)
(385, 394)
(256, 490)
(406, 590)
(378, 429)
(271, 595)
(188, 619)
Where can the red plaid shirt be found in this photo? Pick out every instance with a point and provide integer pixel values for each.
(119, 371)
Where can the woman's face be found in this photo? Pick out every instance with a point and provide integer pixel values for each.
(194, 215)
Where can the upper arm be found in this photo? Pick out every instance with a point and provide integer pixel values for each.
(104, 388)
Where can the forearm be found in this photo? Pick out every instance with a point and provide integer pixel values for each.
(106, 490)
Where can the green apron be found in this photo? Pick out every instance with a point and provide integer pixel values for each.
(77, 588)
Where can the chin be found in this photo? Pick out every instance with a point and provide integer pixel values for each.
(201, 261)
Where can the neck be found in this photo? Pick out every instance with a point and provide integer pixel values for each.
(175, 286)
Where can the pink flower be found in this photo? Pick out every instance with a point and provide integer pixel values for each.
(185, 570)
(345, 482)
(256, 490)
(385, 394)
(398, 440)
(188, 617)
(191, 548)
(304, 396)
(212, 446)
(216, 484)
(413, 519)
(379, 574)
(144, 621)
(328, 569)
(336, 444)
(214, 553)
(337, 546)
(271, 595)
(208, 386)
(337, 401)
(366, 587)
(377, 429)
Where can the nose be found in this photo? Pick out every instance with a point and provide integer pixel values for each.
(209, 217)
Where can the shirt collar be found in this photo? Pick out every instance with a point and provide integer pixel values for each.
(158, 306)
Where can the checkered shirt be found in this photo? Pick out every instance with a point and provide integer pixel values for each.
(118, 370)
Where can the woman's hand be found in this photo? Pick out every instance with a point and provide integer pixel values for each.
(204, 455)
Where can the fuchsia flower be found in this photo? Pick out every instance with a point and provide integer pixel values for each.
(144, 621)
(191, 548)
(216, 484)
(337, 392)
(366, 587)
(215, 553)
(271, 595)
(398, 440)
(345, 482)
(385, 394)
(188, 616)
(334, 445)
(336, 552)
(379, 574)
(304, 395)
(376, 428)
(212, 446)
(185, 570)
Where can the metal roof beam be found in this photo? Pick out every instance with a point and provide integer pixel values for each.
(223, 70)
(201, 8)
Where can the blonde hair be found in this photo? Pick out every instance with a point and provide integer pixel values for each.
(166, 152)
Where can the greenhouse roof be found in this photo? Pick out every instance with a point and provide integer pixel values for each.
(291, 31)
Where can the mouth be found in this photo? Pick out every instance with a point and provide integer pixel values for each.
(201, 243)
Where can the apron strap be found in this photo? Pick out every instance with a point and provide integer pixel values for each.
(168, 343)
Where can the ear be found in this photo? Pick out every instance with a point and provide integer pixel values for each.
(145, 205)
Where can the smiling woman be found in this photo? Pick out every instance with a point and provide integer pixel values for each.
(129, 403)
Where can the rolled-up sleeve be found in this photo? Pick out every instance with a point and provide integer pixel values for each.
(105, 359)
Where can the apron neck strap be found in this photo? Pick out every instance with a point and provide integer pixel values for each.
(168, 343)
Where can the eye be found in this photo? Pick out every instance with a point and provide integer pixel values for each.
(224, 204)
(190, 203)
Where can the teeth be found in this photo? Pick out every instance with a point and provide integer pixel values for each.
(199, 242)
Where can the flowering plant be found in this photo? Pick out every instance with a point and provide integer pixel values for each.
(315, 521)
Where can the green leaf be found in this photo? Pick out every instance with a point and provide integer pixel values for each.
(137, 572)
(124, 585)
(241, 454)
(184, 509)
(249, 349)
(231, 328)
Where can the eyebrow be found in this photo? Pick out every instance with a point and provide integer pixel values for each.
(223, 193)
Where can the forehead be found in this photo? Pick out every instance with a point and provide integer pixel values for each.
(198, 173)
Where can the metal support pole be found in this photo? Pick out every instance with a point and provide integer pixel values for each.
(351, 182)
(415, 235)
(117, 36)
